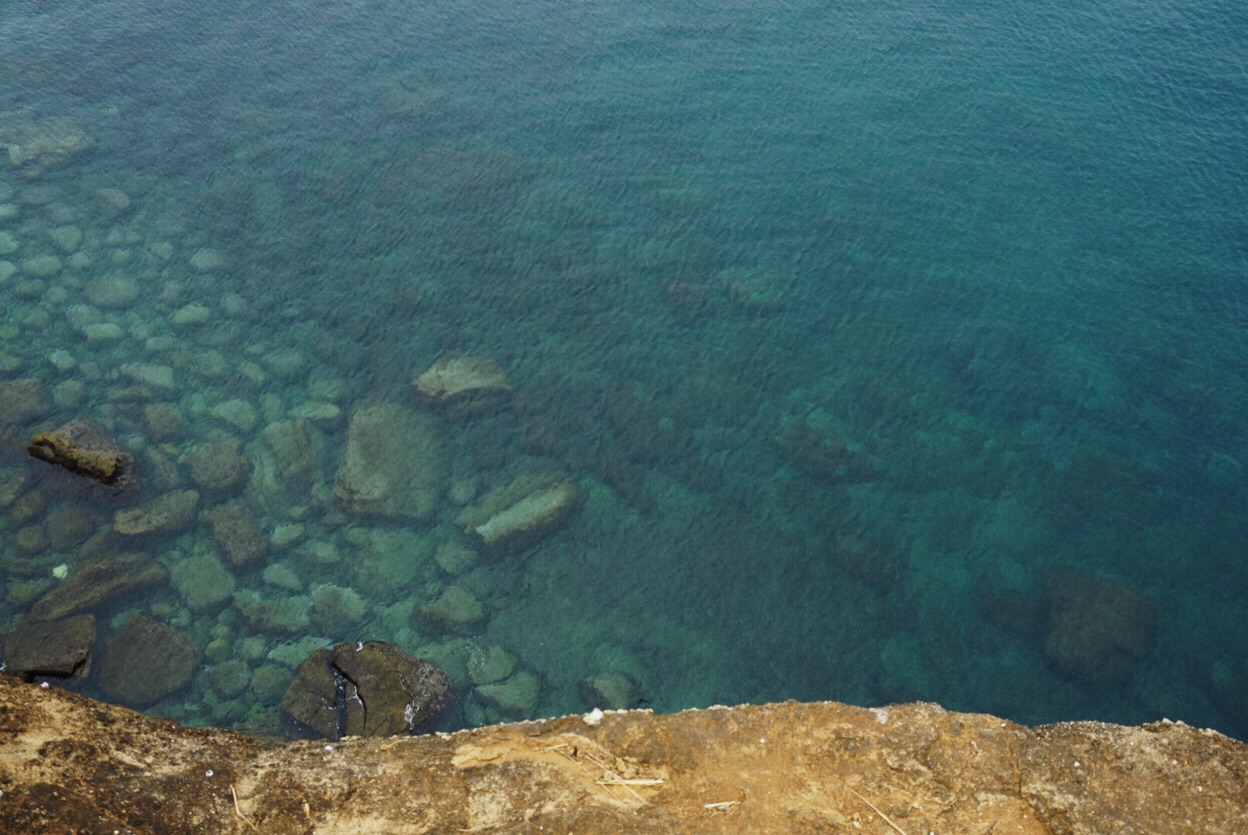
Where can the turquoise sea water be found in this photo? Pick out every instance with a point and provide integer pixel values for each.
(899, 348)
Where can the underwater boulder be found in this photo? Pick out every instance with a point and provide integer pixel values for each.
(822, 449)
(610, 690)
(23, 400)
(455, 610)
(1097, 631)
(394, 463)
(464, 385)
(170, 513)
(97, 583)
(68, 527)
(145, 661)
(515, 697)
(37, 146)
(522, 512)
(218, 469)
(238, 534)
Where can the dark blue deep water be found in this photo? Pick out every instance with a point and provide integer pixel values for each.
(899, 350)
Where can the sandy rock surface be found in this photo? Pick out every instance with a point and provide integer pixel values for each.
(70, 764)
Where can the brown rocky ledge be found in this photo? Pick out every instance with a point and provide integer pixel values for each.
(68, 764)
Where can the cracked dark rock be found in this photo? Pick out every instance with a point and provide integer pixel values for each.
(367, 689)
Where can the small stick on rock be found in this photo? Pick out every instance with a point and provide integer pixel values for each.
(876, 809)
(246, 819)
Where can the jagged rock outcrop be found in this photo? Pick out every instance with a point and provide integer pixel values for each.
(70, 764)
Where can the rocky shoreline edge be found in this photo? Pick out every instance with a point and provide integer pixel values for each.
(70, 764)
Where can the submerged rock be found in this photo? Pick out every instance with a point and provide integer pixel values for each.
(464, 385)
(171, 513)
(490, 664)
(367, 689)
(611, 690)
(1098, 632)
(202, 582)
(162, 422)
(112, 292)
(93, 585)
(112, 201)
(238, 534)
(207, 260)
(229, 678)
(294, 456)
(158, 378)
(30, 540)
(22, 401)
(756, 292)
(51, 648)
(522, 512)
(455, 609)
(238, 414)
(27, 509)
(218, 469)
(41, 145)
(515, 697)
(394, 464)
(282, 614)
(85, 448)
(336, 609)
(817, 445)
(42, 266)
(145, 661)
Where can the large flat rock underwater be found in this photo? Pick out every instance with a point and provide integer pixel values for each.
(69, 764)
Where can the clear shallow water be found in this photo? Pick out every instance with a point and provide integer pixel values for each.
(996, 252)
